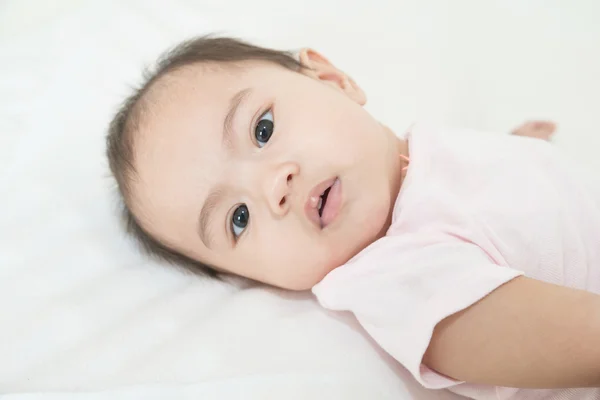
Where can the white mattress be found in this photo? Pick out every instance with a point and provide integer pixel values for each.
(83, 315)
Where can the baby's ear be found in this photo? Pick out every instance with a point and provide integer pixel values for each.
(320, 68)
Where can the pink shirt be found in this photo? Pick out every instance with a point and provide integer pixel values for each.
(475, 211)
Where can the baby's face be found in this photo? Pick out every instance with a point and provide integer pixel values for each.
(232, 162)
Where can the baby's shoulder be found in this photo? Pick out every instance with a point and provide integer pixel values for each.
(470, 143)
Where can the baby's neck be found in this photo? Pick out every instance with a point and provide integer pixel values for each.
(404, 156)
(398, 163)
(400, 160)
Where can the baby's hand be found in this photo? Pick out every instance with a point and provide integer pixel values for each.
(536, 129)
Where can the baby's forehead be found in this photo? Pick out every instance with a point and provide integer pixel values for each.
(177, 132)
(178, 82)
(201, 89)
(196, 97)
(217, 80)
(182, 93)
(205, 76)
(185, 105)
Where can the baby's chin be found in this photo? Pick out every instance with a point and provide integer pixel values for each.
(312, 274)
(335, 258)
(335, 253)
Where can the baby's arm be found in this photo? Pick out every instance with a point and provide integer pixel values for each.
(536, 129)
(526, 334)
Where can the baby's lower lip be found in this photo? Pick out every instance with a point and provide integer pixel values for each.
(333, 204)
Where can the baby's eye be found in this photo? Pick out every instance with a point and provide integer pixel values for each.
(239, 220)
(264, 128)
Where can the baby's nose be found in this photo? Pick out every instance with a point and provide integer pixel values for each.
(278, 187)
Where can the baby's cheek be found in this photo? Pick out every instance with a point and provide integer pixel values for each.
(304, 265)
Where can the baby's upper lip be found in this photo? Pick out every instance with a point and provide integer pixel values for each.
(312, 202)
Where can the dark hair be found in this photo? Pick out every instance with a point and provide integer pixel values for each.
(128, 120)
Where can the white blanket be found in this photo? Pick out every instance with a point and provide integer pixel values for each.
(82, 315)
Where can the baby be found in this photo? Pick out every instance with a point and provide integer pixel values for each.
(472, 259)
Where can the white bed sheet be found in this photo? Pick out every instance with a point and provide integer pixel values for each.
(82, 315)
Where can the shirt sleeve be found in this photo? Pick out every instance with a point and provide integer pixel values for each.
(399, 290)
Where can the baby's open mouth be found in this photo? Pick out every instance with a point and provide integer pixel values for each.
(324, 202)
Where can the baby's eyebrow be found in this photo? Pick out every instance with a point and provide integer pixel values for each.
(234, 104)
(206, 214)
